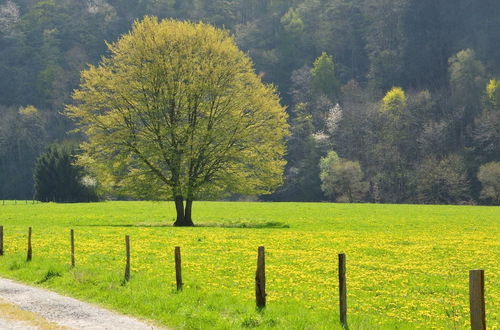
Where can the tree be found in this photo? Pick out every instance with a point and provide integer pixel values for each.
(394, 102)
(9, 16)
(392, 177)
(354, 137)
(323, 76)
(467, 85)
(442, 181)
(433, 139)
(383, 42)
(466, 79)
(492, 97)
(333, 119)
(177, 111)
(23, 134)
(58, 179)
(486, 133)
(302, 172)
(342, 179)
(489, 175)
(421, 25)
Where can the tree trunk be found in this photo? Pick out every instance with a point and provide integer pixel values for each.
(187, 214)
(179, 208)
(183, 216)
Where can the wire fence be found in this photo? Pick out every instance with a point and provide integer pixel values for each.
(476, 279)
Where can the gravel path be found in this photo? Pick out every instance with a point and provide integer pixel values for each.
(56, 311)
(15, 325)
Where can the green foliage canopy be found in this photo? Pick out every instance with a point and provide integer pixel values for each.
(443, 47)
(394, 102)
(342, 179)
(443, 181)
(493, 95)
(489, 175)
(58, 179)
(323, 76)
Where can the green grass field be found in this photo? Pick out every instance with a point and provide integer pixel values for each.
(407, 265)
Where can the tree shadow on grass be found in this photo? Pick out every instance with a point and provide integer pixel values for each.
(269, 224)
(247, 225)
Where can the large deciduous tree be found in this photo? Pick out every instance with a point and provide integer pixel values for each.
(177, 111)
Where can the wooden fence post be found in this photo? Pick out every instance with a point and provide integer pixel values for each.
(260, 279)
(342, 290)
(1, 240)
(29, 254)
(476, 299)
(72, 239)
(178, 268)
(127, 265)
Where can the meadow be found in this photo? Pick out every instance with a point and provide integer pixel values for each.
(407, 265)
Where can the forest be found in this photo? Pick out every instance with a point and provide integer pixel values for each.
(389, 101)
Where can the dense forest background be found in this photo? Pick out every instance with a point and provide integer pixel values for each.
(336, 63)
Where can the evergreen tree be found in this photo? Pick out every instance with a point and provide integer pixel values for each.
(323, 77)
(58, 179)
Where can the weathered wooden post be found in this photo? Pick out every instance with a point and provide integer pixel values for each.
(476, 299)
(260, 279)
(29, 254)
(127, 265)
(1, 240)
(178, 268)
(72, 239)
(342, 290)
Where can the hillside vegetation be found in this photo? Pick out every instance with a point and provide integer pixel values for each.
(405, 92)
